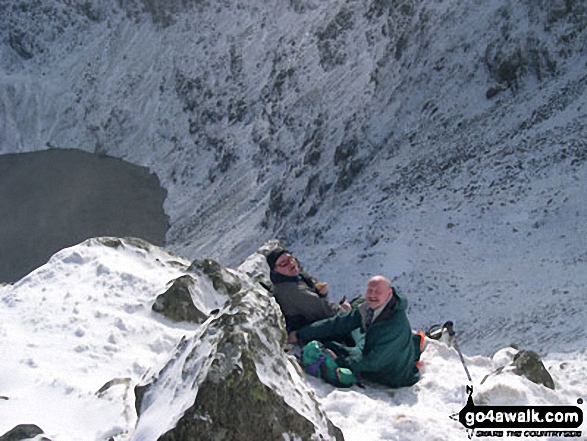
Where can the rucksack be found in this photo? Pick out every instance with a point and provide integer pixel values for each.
(319, 363)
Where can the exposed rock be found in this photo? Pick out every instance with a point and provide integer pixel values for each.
(256, 265)
(18, 41)
(107, 241)
(231, 380)
(494, 90)
(280, 206)
(22, 432)
(526, 364)
(529, 365)
(331, 40)
(162, 13)
(177, 304)
(222, 279)
(241, 408)
(115, 242)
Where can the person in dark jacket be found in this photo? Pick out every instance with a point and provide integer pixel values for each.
(389, 351)
(302, 300)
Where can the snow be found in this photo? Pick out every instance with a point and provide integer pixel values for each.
(84, 319)
(74, 324)
(475, 207)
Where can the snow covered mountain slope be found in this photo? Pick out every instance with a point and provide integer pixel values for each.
(78, 335)
(441, 143)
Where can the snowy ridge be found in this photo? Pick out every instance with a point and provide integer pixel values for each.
(78, 322)
(213, 353)
(441, 143)
(78, 335)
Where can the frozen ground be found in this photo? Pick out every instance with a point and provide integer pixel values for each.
(84, 319)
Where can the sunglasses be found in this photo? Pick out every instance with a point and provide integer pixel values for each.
(286, 261)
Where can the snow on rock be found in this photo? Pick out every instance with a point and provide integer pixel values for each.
(79, 335)
(85, 358)
(78, 322)
(232, 380)
(441, 143)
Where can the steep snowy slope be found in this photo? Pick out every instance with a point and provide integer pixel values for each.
(78, 334)
(438, 142)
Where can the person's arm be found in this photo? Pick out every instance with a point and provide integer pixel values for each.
(379, 356)
(334, 327)
(391, 346)
(312, 307)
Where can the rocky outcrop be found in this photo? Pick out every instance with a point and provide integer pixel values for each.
(240, 407)
(222, 280)
(176, 303)
(231, 379)
(23, 432)
(183, 301)
(529, 365)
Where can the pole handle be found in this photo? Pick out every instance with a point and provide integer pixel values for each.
(449, 326)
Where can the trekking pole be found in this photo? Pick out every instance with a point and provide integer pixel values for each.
(451, 333)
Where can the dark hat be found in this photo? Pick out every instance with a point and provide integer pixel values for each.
(273, 256)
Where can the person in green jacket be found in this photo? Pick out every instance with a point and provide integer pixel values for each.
(388, 352)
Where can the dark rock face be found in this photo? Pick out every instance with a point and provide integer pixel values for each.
(176, 303)
(22, 432)
(231, 379)
(526, 364)
(241, 409)
(529, 365)
(54, 199)
(221, 279)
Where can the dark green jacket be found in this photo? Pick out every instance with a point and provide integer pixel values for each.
(389, 351)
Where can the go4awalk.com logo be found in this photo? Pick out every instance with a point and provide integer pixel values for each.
(520, 421)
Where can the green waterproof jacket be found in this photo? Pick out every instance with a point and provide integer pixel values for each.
(386, 353)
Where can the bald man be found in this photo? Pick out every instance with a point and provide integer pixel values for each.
(389, 352)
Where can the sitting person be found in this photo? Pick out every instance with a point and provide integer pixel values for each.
(389, 351)
(302, 300)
